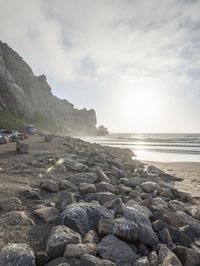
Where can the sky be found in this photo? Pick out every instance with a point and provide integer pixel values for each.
(136, 62)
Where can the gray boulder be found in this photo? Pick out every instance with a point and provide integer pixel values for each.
(90, 260)
(101, 197)
(79, 178)
(187, 256)
(58, 238)
(83, 216)
(115, 250)
(17, 254)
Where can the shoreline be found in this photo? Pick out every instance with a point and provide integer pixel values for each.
(189, 171)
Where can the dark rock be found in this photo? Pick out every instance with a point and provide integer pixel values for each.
(143, 250)
(78, 250)
(18, 218)
(116, 205)
(176, 205)
(105, 187)
(89, 260)
(164, 236)
(154, 170)
(31, 194)
(50, 186)
(83, 217)
(87, 188)
(66, 198)
(58, 238)
(187, 256)
(167, 257)
(146, 234)
(115, 250)
(62, 260)
(101, 197)
(121, 228)
(65, 184)
(17, 254)
(149, 186)
(79, 178)
(41, 258)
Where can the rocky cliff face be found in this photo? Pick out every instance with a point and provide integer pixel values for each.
(28, 96)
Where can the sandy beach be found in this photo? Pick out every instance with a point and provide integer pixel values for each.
(190, 171)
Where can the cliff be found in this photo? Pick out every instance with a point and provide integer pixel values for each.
(29, 97)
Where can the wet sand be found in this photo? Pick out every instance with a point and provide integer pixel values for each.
(190, 171)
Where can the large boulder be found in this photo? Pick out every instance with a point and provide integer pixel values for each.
(146, 235)
(58, 238)
(17, 254)
(115, 250)
(83, 216)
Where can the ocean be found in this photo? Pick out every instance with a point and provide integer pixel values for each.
(155, 147)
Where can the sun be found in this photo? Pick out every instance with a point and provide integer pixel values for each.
(141, 108)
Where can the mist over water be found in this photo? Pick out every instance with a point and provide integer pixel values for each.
(156, 147)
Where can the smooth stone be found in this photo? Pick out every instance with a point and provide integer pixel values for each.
(105, 187)
(101, 197)
(87, 188)
(115, 250)
(149, 186)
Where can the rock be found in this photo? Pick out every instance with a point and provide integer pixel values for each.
(115, 250)
(179, 238)
(176, 205)
(153, 258)
(143, 261)
(102, 176)
(121, 228)
(41, 258)
(167, 257)
(164, 236)
(116, 205)
(48, 214)
(124, 189)
(59, 237)
(63, 261)
(65, 184)
(142, 249)
(154, 170)
(91, 237)
(17, 254)
(78, 250)
(31, 194)
(22, 147)
(83, 216)
(89, 260)
(105, 187)
(87, 188)
(50, 186)
(66, 198)
(18, 218)
(79, 178)
(78, 167)
(149, 186)
(142, 209)
(197, 214)
(101, 197)
(187, 256)
(11, 204)
(146, 234)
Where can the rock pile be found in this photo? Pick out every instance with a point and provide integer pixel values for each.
(109, 210)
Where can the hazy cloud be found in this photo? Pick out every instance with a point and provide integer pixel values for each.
(94, 51)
